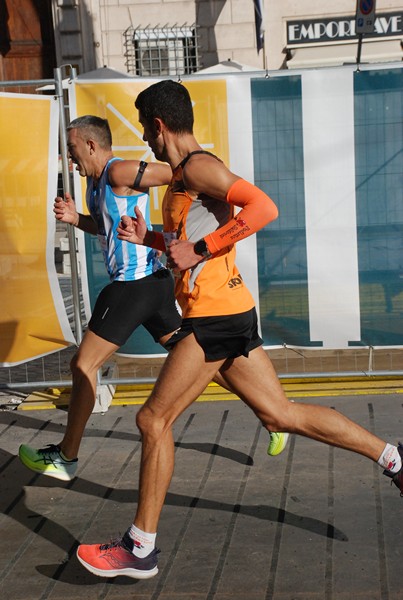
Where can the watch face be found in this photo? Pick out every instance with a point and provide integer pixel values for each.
(200, 248)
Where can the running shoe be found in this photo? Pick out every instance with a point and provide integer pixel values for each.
(48, 461)
(117, 558)
(397, 478)
(278, 442)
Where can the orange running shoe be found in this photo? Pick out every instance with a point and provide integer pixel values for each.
(117, 558)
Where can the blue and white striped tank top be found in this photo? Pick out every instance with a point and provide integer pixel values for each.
(123, 261)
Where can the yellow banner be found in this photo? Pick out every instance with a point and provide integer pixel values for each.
(114, 101)
(30, 295)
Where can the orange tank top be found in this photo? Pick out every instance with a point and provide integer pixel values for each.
(214, 287)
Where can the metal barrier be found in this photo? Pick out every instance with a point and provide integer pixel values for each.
(290, 363)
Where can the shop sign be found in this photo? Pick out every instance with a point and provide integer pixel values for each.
(313, 31)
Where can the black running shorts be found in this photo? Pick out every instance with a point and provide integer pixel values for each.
(228, 336)
(124, 305)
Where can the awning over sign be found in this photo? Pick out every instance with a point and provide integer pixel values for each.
(101, 73)
(105, 73)
(228, 66)
(339, 54)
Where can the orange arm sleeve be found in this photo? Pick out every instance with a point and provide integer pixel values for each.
(257, 211)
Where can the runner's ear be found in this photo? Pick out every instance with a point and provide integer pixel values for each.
(158, 125)
(91, 145)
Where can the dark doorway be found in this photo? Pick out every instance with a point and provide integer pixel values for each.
(27, 46)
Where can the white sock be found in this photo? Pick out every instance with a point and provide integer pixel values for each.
(144, 543)
(390, 459)
(64, 457)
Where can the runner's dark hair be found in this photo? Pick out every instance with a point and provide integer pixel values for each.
(170, 101)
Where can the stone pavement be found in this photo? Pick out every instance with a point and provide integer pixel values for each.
(314, 523)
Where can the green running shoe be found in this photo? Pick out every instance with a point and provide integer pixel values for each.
(278, 442)
(48, 461)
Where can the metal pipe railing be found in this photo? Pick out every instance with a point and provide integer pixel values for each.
(147, 380)
(67, 189)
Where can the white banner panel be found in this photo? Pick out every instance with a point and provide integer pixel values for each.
(330, 204)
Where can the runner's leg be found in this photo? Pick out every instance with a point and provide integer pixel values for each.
(183, 377)
(127, 304)
(91, 355)
(255, 381)
(277, 440)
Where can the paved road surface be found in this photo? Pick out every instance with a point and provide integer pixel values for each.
(314, 523)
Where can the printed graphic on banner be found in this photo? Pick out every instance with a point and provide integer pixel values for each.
(327, 149)
(331, 267)
(115, 101)
(33, 319)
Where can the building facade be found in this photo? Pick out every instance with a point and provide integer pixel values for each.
(178, 37)
(168, 37)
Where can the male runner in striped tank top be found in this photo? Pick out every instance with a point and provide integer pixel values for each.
(140, 291)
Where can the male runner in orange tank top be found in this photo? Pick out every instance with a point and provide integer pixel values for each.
(219, 328)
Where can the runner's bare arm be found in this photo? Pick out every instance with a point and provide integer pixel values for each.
(123, 173)
(205, 175)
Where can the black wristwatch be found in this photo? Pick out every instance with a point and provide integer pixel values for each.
(201, 249)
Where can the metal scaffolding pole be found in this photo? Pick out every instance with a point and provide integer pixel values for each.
(67, 189)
